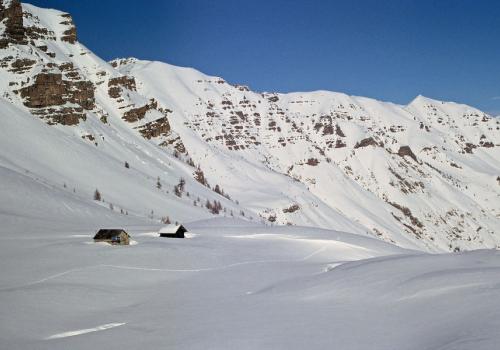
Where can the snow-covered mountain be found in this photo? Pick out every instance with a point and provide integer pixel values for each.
(425, 175)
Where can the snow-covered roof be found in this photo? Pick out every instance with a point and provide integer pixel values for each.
(170, 229)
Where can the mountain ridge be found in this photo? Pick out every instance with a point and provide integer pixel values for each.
(423, 175)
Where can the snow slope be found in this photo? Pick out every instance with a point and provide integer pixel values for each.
(238, 285)
(423, 176)
(442, 193)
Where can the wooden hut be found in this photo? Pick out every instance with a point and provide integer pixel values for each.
(112, 236)
(173, 231)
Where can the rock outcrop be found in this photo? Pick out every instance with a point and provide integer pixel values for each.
(11, 16)
(366, 142)
(116, 85)
(406, 151)
(69, 35)
(54, 99)
(135, 114)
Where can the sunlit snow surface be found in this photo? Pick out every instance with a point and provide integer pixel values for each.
(236, 285)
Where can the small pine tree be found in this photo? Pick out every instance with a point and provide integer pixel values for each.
(216, 207)
(217, 189)
(177, 191)
(127, 165)
(158, 183)
(97, 195)
(200, 176)
(179, 188)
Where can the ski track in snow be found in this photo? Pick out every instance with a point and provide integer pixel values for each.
(51, 277)
(84, 331)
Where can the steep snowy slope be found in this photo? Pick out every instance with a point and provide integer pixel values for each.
(426, 175)
(69, 122)
(429, 169)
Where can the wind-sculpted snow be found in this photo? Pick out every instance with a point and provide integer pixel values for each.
(309, 213)
(237, 285)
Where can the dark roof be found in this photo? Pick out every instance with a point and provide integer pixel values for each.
(109, 233)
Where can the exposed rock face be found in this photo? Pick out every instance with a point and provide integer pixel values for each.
(366, 142)
(21, 66)
(312, 162)
(338, 131)
(136, 114)
(415, 226)
(469, 147)
(62, 115)
(155, 128)
(50, 90)
(47, 90)
(406, 151)
(115, 85)
(159, 128)
(291, 209)
(69, 35)
(12, 18)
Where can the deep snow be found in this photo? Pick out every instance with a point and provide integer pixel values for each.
(240, 285)
(236, 283)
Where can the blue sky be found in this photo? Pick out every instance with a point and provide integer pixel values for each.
(389, 50)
